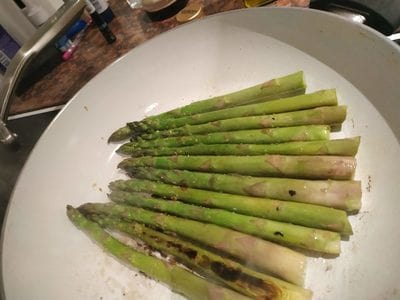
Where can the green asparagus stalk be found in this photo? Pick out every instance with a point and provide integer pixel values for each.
(308, 215)
(345, 195)
(317, 116)
(320, 98)
(342, 147)
(289, 166)
(208, 264)
(259, 136)
(178, 279)
(257, 253)
(283, 233)
(286, 86)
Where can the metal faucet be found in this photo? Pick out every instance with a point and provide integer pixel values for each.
(64, 17)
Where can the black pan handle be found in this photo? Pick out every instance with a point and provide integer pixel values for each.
(382, 15)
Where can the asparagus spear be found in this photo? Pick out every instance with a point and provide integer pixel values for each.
(344, 147)
(286, 86)
(311, 167)
(283, 233)
(208, 264)
(286, 211)
(263, 136)
(178, 279)
(317, 116)
(262, 255)
(345, 195)
(320, 98)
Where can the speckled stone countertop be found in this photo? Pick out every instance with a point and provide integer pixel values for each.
(131, 27)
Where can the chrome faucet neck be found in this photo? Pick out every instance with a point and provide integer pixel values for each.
(48, 32)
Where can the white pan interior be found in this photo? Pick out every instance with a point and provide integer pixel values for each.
(46, 257)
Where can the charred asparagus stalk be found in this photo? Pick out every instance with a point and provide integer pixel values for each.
(264, 256)
(177, 278)
(208, 264)
(320, 98)
(309, 215)
(345, 195)
(317, 116)
(263, 136)
(286, 86)
(283, 233)
(310, 167)
(343, 147)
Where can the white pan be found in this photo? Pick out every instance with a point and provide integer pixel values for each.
(46, 257)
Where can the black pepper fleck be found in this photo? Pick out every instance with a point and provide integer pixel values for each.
(278, 233)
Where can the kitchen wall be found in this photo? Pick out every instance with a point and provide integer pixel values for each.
(15, 22)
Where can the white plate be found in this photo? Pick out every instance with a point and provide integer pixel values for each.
(46, 257)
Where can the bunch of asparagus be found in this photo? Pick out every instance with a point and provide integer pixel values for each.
(234, 188)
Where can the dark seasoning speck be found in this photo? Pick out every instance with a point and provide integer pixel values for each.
(369, 184)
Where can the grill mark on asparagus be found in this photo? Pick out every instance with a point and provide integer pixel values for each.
(226, 272)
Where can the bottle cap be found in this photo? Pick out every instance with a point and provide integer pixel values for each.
(189, 13)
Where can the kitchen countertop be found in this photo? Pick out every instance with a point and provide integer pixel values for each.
(131, 27)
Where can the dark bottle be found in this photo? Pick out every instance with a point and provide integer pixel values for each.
(100, 23)
(103, 9)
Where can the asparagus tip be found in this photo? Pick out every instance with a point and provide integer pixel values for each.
(72, 213)
(132, 125)
(123, 164)
(120, 134)
(69, 209)
(84, 208)
(137, 128)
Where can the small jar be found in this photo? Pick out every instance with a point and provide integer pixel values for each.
(158, 10)
(189, 13)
